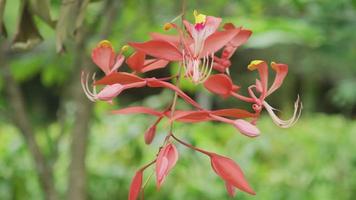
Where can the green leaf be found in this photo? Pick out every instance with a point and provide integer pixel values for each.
(42, 9)
(27, 35)
(71, 17)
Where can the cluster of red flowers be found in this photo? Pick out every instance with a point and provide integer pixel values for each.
(204, 52)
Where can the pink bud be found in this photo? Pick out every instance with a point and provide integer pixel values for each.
(109, 92)
(150, 134)
(246, 128)
(135, 186)
(166, 160)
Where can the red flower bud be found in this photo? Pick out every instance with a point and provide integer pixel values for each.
(166, 160)
(246, 128)
(230, 172)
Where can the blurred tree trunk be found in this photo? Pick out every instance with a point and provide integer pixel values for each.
(80, 133)
(21, 120)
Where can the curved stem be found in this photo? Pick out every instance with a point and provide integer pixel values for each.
(191, 146)
(243, 98)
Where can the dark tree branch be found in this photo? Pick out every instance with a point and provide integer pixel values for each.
(21, 120)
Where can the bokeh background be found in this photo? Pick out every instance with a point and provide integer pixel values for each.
(55, 144)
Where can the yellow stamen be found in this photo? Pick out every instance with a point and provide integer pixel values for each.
(105, 43)
(167, 26)
(125, 48)
(199, 18)
(254, 64)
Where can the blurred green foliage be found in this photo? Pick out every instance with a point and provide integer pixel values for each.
(313, 160)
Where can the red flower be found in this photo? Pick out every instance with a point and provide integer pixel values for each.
(261, 86)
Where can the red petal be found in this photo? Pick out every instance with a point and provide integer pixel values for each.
(191, 116)
(247, 128)
(220, 84)
(230, 189)
(217, 40)
(110, 91)
(281, 73)
(157, 83)
(135, 186)
(136, 61)
(166, 160)
(159, 49)
(228, 170)
(103, 56)
(119, 77)
(173, 39)
(150, 134)
(241, 38)
(153, 64)
(234, 113)
(262, 68)
(137, 109)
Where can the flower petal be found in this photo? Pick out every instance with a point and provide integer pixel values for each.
(103, 56)
(119, 77)
(136, 61)
(220, 84)
(137, 109)
(166, 160)
(217, 40)
(281, 73)
(159, 49)
(135, 187)
(246, 128)
(153, 64)
(234, 113)
(230, 172)
(262, 68)
(152, 82)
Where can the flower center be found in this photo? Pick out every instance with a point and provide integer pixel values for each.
(200, 20)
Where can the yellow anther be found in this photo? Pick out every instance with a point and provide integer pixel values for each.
(254, 64)
(167, 26)
(105, 43)
(199, 18)
(125, 48)
(274, 65)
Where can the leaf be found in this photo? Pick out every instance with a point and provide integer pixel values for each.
(27, 35)
(42, 9)
(135, 187)
(230, 172)
(71, 17)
